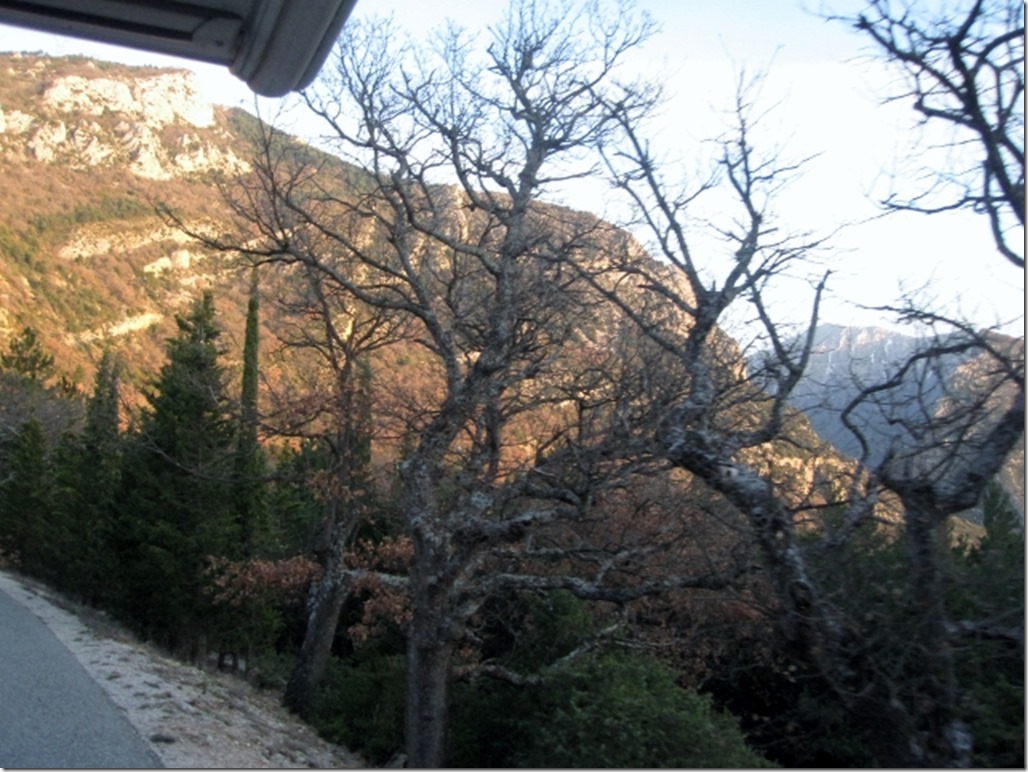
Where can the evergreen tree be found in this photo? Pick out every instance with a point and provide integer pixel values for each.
(176, 502)
(987, 597)
(87, 472)
(25, 356)
(249, 458)
(25, 531)
(28, 389)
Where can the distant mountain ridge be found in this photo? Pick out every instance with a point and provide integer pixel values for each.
(845, 359)
(842, 360)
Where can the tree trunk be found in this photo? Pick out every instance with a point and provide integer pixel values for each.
(428, 671)
(327, 598)
(331, 591)
(808, 619)
(944, 739)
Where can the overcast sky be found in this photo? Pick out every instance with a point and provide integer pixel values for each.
(828, 104)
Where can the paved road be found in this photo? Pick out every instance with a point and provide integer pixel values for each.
(52, 714)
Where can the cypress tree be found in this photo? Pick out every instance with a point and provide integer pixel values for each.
(249, 459)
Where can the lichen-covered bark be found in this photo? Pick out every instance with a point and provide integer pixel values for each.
(429, 653)
(325, 603)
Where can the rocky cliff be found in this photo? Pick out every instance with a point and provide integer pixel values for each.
(842, 362)
(87, 150)
(846, 360)
(84, 114)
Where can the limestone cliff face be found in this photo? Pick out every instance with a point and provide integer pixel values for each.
(86, 148)
(72, 111)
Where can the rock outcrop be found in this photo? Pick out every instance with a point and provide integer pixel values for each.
(156, 122)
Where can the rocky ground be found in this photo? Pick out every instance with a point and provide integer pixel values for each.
(193, 718)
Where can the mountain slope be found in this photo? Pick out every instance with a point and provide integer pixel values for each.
(845, 360)
(87, 150)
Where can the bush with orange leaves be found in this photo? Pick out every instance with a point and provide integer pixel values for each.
(250, 600)
(235, 583)
(382, 583)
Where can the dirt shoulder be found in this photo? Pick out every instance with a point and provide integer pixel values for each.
(192, 718)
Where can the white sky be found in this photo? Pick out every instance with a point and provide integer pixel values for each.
(829, 105)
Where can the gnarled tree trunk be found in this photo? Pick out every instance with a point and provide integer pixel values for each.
(325, 604)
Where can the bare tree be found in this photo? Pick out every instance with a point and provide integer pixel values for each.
(325, 339)
(337, 416)
(963, 70)
(946, 452)
(721, 426)
(438, 222)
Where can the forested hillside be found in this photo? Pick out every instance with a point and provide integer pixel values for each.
(464, 475)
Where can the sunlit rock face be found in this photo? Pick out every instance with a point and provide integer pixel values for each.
(157, 101)
(156, 123)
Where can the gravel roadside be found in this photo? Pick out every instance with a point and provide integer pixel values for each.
(191, 717)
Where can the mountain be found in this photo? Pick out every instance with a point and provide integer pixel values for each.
(846, 359)
(842, 361)
(86, 151)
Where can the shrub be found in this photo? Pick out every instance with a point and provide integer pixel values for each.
(617, 709)
(360, 704)
(598, 709)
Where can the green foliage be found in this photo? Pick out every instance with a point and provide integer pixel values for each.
(524, 633)
(26, 533)
(189, 420)
(796, 719)
(786, 709)
(617, 709)
(295, 505)
(24, 245)
(550, 627)
(25, 356)
(87, 473)
(360, 703)
(592, 709)
(250, 461)
(611, 709)
(175, 505)
(19, 247)
(990, 666)
(58, 225)
(243, 124)
(270, 668)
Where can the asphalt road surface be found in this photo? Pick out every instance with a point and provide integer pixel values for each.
(52, 713)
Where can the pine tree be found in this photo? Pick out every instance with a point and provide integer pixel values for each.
(87, 473)
(25, 356)
(176, 507)
(25, 530)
